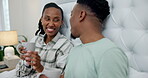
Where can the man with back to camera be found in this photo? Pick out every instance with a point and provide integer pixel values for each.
(97, 56)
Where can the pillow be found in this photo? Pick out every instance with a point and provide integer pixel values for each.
(67, 8)
(65, 29)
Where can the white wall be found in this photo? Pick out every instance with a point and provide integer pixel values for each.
(24, 16)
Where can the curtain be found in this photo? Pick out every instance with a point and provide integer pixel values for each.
(4, 15)
(1, 16)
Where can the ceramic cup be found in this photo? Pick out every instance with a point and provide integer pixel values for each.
(53, 73)
(30, 46)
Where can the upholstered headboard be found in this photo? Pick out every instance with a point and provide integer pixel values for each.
(127, 26)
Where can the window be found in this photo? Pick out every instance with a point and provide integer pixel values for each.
(4, 15)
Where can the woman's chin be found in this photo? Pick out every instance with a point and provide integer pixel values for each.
(51, 34)
(72, 36)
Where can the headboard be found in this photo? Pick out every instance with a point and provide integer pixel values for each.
(127, 26)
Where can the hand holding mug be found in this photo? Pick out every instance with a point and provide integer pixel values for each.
(33, 59)
(25, 46)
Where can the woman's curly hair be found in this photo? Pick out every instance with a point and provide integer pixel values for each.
(40, 30)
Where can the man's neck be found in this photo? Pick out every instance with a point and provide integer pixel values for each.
(91, 30)
(91, 37)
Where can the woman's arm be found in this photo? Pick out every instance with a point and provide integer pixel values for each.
(22, 69)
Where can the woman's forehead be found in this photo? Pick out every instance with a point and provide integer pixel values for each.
(52, 12)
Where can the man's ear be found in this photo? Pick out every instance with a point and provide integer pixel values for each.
(82, 15)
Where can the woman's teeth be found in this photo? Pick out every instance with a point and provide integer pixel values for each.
(50, 30)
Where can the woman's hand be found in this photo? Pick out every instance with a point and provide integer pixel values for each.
(43, 76)
(33, 59)
(62, 76)
(22, 51)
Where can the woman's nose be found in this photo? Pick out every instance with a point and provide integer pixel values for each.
(50, 23)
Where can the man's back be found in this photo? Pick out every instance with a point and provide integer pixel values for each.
(100, 59)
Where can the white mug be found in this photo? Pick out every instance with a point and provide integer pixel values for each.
(30, 46)
(52, 72)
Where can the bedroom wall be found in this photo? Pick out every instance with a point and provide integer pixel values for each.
(24, 16)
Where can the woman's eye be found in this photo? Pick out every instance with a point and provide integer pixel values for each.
(47, 19)
(56, 20)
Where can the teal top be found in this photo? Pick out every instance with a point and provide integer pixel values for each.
(100, 59)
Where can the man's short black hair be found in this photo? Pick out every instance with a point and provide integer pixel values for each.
(99, 7)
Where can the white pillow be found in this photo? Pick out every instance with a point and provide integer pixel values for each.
(65, 29)
(67, 8)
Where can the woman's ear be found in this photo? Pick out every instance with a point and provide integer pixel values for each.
(82, 15)
(62, 22)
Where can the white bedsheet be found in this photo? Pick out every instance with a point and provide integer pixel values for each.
(8, 74)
